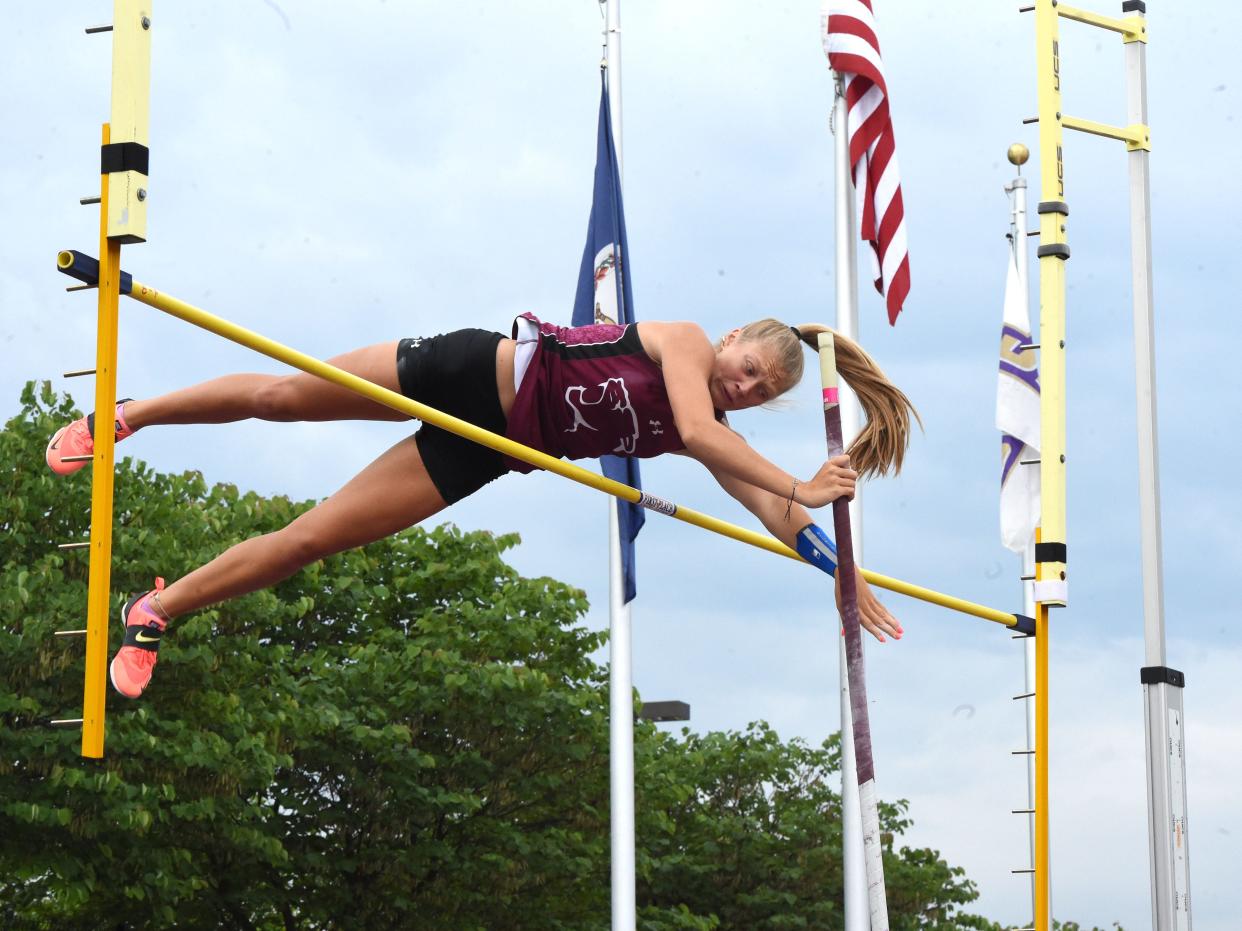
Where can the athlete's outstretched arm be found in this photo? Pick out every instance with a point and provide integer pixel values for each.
(686, 357)
(771, 511)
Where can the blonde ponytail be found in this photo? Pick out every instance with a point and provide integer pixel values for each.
(881, 444)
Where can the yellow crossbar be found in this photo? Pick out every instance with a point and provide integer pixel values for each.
(1136, 136)
(69, 262)
(1132, 28)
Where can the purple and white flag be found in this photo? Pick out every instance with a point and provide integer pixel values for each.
(1017, 417)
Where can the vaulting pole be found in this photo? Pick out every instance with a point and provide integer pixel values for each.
(854, 867)
(852, 634)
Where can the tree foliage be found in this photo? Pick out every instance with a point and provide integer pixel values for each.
(747, 827)
(406, 735)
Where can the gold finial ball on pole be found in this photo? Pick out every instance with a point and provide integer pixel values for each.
(1018, 154)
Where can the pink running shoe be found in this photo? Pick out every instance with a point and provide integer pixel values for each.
(131, 668)
(78, 439)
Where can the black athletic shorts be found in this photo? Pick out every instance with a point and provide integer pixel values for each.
(455, 373)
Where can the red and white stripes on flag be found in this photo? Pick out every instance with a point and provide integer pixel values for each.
(848, 30)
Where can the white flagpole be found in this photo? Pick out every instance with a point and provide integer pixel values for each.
(1017, 229)
(620, 671)
(857, 903)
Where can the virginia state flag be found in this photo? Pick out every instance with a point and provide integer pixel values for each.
(604, 297)
(1017, 417)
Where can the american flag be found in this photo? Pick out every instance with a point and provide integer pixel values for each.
(848, 30)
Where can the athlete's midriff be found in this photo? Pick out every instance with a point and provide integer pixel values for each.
(504, 374)
(588, 391)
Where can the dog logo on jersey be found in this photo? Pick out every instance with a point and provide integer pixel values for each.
(605, 408)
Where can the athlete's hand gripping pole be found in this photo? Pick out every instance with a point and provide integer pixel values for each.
(853, 649)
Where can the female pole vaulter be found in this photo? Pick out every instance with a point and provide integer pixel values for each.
(640, 389)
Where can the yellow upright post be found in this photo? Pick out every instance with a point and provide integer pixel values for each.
(95, 686)
(122, 219)
(1050, 551)
(1053, 252)
(125, 157)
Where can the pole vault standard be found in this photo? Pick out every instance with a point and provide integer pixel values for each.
(123, 159)
(1162, 686)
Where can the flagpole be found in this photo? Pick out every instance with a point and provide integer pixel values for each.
(857, 907)
(620, 665)
(1017, 230)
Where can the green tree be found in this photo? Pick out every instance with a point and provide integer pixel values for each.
(406, 735)
(747, 827)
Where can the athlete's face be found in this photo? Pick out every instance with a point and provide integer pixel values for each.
(745, 374)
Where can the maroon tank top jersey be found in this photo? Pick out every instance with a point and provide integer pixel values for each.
(589, 391)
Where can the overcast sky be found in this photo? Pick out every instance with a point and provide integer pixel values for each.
(334, 175)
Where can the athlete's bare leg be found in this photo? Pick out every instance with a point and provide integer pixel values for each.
(277, 397)
(392, 493)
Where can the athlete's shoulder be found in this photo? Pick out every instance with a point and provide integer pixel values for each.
(659, 338)
(674, 328)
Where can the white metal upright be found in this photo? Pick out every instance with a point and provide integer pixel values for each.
(1162, 686)
(620, 669)
(854, 865)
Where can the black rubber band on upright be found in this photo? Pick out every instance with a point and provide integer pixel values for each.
(124, 156)
(1051, 552)
(1154, 675)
